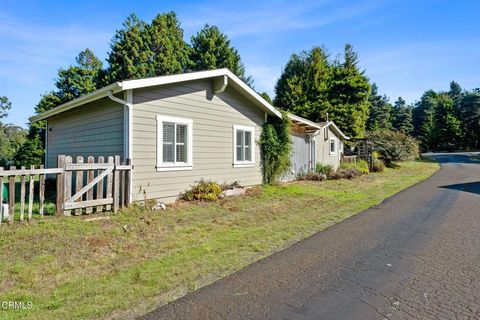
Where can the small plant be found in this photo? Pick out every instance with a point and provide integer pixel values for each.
(377, 164)
(326, 169)
(203, 190)
(314, 176)
(360, 165)
(229, 186)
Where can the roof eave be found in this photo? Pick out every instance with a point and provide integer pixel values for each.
(95, 95)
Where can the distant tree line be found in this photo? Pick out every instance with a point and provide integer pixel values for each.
(311, 85)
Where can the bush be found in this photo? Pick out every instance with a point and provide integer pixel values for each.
(203, 190)
(360, 165)
(346, 174)
(312, 175)
(394, 146)
(377, 164)
(326, 169)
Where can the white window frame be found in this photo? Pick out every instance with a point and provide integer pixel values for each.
(172, 166)
(243, 164)
(334, 144)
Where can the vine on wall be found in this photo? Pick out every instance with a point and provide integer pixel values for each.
(275, 142)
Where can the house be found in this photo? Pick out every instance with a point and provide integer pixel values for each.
(314, 143)
(176, 130)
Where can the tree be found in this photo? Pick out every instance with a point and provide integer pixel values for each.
(349, 95)
(170, 51)
(80, 79)
(211, 49)
(402, 116)
(303, 86)
(448, 125)
(130, 55)
(265, 96)
(5, 106)
(380, 111)
(470, 113)
(142, 50)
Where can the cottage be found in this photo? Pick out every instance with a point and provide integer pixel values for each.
(314, 143)
(176, 130)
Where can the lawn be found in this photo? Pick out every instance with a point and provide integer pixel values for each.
(128, 263)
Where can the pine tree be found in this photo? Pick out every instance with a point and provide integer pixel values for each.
(302, 88)
(140, 50)
(402, 116)
(380, 111)
(78, 80)
(349, 95)
(211, 49)
(130, 55)
(170, 53)
(470, 113)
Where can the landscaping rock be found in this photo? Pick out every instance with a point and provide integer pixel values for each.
(234, 192)
(159, 206)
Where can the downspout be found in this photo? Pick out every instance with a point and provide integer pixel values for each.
(128, 107)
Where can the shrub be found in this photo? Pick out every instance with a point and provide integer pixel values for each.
(360, 165)
(229, 186)
(377, 164)
(346, 173)
(203, 190)
(326, 169)
(393, 146)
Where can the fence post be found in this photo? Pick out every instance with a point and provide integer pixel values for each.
(11, 200)
(101, 160)
(116, 185)
(31, 181)
(41, 191)
(67, 185)
(90, 177)
(22, 196)
(60, 178)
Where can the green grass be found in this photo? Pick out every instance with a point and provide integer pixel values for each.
(75, 269)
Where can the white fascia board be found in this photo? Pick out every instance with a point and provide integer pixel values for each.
(95, 95)
(163, 80)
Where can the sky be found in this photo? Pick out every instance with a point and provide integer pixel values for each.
(405, 46)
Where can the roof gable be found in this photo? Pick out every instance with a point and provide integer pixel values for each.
(228, 79)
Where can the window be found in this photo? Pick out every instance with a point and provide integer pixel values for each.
(332, 146)
(174, 143)
(243, 147)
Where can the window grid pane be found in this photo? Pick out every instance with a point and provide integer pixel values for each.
(168, 141)
(248, 146)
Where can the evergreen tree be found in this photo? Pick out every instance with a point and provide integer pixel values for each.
(211, 49)
(448, 125)
(130, 56)
(349, 95)
(302, 87)
(80, 79)
(470, 113)
(5, 106)
(402, 116)
(170, 51)
(73, 82)
(427, 101)
(265, 96)
(142, 50)
(380, 111)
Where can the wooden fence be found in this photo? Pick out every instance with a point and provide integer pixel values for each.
(81, 186)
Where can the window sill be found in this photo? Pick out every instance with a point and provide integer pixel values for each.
(244, 165)
(174, 168)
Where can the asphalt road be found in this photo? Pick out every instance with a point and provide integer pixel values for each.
(415, 256)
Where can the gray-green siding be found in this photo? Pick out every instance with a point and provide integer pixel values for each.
(323, 149)
(95, 129)
(213, 118)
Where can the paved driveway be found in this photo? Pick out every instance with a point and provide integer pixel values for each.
(415, 256)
